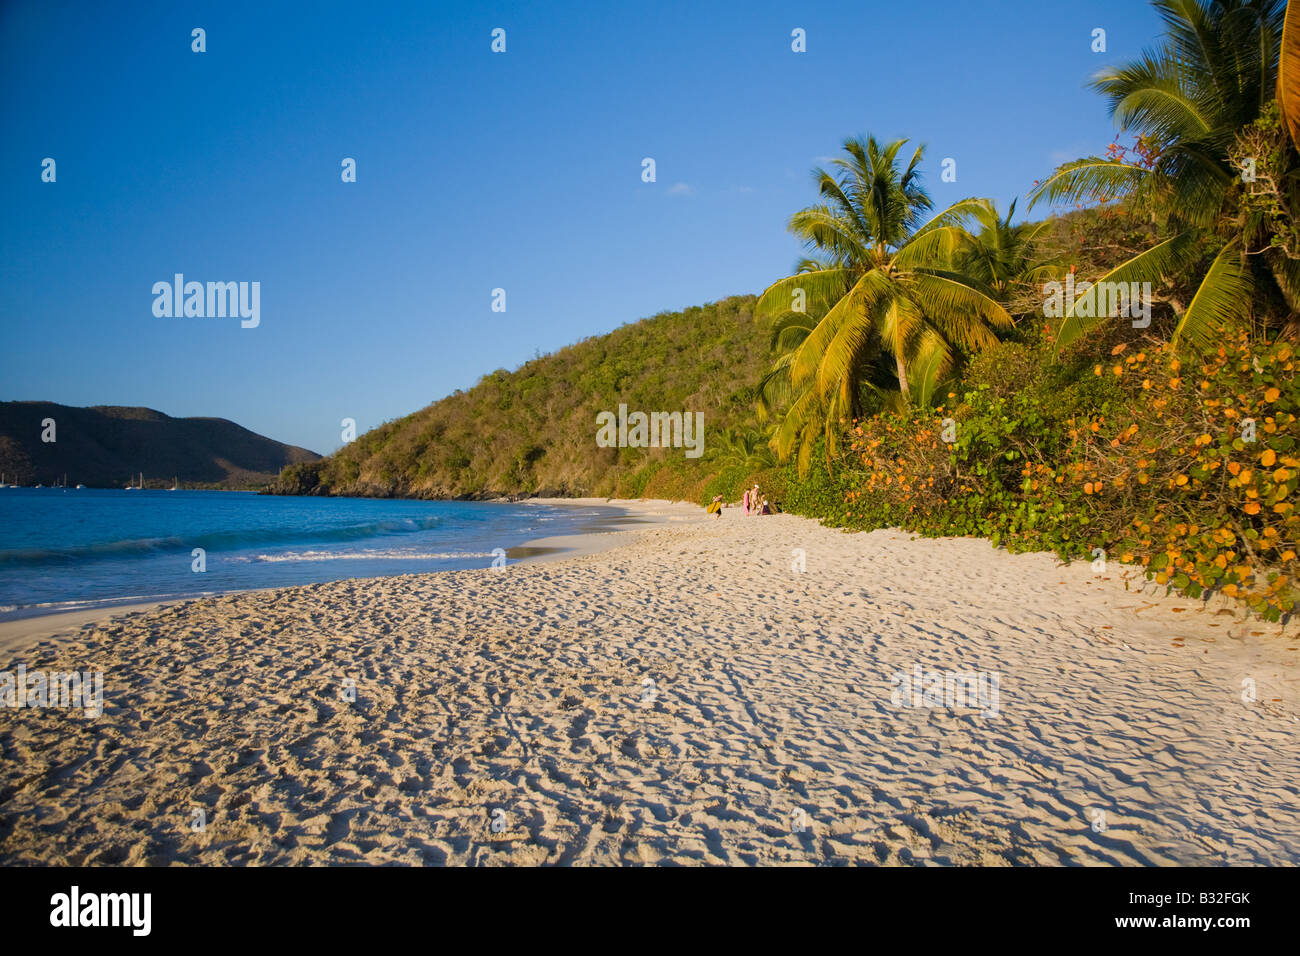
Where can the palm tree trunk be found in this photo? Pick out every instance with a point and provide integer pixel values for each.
(902, 377)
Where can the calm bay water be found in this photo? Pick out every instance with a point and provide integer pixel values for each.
(68, 549)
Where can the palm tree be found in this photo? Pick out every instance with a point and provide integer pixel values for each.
(746, 448)
(808, 414)
(1004, 258)
(1189, 98)
(882, 288)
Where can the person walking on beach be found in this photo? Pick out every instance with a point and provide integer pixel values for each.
(715, 506)
(744, 502)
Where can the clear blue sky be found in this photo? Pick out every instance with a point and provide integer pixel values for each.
(475, 171)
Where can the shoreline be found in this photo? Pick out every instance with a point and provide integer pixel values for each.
(691, 696)
(27, 629)
(603, 533)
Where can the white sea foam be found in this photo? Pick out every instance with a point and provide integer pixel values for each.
(361, 556)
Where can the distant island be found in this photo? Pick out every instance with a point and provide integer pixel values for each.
(109, 446)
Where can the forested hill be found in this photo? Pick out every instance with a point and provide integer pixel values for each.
(533, 430)
(108, 445)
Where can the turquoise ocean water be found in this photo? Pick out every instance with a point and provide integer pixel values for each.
(62, 550)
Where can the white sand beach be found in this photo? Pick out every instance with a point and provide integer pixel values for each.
(685, 696)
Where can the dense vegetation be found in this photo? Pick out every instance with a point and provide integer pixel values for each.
(1171, 443)
(918, 376)
(108, 446)
(532, 431)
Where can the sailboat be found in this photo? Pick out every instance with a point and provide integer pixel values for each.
(139, 487)
(2, 481)
(175, 484)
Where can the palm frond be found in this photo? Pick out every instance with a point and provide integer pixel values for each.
(1223, 298)
(932, 363)
(1152, 266)
(820, 291)
(1288, 74)
(831, 349)
(1091, 179)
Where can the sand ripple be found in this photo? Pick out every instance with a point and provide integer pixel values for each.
(686, 698)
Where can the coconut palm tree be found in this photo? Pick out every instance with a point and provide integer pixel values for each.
(809, 414)
(882, 287)
(1188, 98)
(747, 448)
(1004, 257)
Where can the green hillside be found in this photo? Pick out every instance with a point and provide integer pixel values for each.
(1117, 382)
(533, 430)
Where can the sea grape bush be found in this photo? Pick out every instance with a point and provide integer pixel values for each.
(1186, 467)
(1205, 466)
